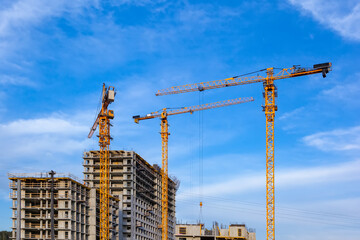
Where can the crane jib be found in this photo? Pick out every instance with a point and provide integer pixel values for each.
(192, 109)
(295, 71)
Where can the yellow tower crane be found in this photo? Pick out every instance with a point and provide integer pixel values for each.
(103, 120)
(164, 137)
(270, 94)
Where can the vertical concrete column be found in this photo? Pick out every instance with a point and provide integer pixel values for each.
(18, 217)
(121, 233)
(133, 214)
(52, 173)
(92, 214)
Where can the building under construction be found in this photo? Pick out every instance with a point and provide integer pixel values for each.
(138, 186)
(199, 232)
(75, 208)
(135, 201)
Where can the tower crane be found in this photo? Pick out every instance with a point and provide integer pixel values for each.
(103, 120)
(164, 137)
(270, 94)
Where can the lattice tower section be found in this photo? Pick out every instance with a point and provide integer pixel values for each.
(270, 108)
(104, 142)
(164, 173)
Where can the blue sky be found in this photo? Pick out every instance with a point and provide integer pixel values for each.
(55, 55)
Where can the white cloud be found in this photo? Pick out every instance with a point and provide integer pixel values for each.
(204, 16)
(344, 91)
(136, 2)
(335, 140)
(40, 144)
(347, 171)
(22, 41)
(42, 137)
(284, 178)
(341, 16)
(46, 145)
(15, 80)
(290, 120)
(195, 15)
(292, 114)
(23, 13)
(331, 234)
(50, 125)
(234, 201)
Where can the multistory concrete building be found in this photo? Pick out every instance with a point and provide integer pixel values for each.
(199, 232)
(138, 186)
(75, 208)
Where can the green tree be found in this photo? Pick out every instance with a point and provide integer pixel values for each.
(5, 235)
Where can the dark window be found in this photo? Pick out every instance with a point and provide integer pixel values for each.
(182, 230)
(239, 232)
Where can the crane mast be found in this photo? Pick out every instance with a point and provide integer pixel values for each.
(270, 108)
(103, 120)
(164, 153)
(270, 94)
(164, 176)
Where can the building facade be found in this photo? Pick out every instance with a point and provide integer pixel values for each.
(199, 232)
(138, 186)
(135, 201)
(75, 208)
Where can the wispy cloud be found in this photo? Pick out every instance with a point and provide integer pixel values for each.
(42, 137)
(194, 14)
(23, 41)
(136, 2)
(344, 91)
(40, 144)
(335, 140)
(16, 80)
(224, 199)
(291, 114)
(284, 178)
(290, 120)
(50, 125)
(24, 13)
(341, 16)
(205, 16)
